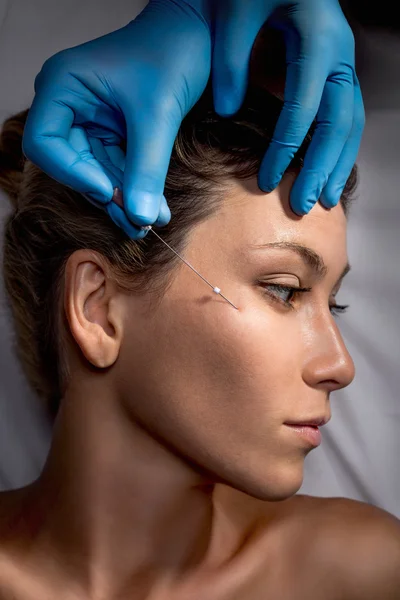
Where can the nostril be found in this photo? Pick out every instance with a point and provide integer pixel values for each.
(331, 385)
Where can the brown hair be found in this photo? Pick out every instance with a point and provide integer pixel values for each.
(50, 222)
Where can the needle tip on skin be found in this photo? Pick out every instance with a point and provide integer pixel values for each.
(231, 303)
(215, 289)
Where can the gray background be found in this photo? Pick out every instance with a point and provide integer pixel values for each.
(359, 457)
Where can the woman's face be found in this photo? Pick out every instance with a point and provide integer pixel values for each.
(217, 384)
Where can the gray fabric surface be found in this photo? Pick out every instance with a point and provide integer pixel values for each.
(359, 454)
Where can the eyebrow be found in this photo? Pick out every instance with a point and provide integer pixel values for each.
(308, 256)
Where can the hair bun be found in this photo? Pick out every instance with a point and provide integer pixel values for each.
(12, 158)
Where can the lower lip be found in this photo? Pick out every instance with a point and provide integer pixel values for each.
(307, 432)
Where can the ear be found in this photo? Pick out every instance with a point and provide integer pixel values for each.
(93, 307)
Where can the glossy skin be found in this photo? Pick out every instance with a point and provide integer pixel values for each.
(137, 84)
(188, 393)
(265, 363)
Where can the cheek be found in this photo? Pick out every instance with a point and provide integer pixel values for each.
(259, 350)
(217, 384)
(218, 354)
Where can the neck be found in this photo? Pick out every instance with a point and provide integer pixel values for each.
(113, 505)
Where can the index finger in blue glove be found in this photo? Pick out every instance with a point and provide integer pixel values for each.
(233, 42)
(334, 188)
(45, 141)
(92, 147)
(333, 125)
(93, 152)
(305, 81)
(103, 156)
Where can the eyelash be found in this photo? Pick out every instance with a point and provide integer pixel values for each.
(336, 309)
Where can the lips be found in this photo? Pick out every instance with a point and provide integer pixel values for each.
(309, 434)
(314, 422)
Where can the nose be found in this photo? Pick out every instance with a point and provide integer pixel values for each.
(328, 364)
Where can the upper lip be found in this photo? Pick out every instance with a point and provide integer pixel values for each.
(316, 422)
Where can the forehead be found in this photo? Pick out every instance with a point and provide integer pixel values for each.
(249, 216)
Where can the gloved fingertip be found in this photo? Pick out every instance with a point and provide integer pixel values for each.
(92, 181)
(118, 216)
(307, 191)
(227, 101)
(165, 214)
(267, 182)
(271, 172)
(141, 220)
(331, 195)
(99, 197)
(226, 107)
(300, 211)
(301, 203)
(142, 208)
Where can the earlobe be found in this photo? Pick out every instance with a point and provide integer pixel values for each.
(91, 301)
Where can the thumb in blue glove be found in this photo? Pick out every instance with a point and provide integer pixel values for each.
(135, 84)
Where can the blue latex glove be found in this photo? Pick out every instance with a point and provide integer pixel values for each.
(135, 84)
(139, 82)
(320, 83)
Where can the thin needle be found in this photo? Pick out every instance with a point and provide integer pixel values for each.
(214, 289)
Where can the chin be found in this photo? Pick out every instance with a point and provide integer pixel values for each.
(276, 487)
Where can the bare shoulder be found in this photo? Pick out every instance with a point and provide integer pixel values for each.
(321, 548)
(359, 545)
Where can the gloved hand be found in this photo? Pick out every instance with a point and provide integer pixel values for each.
(320, 82)
(139, 82)
(135, 84)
